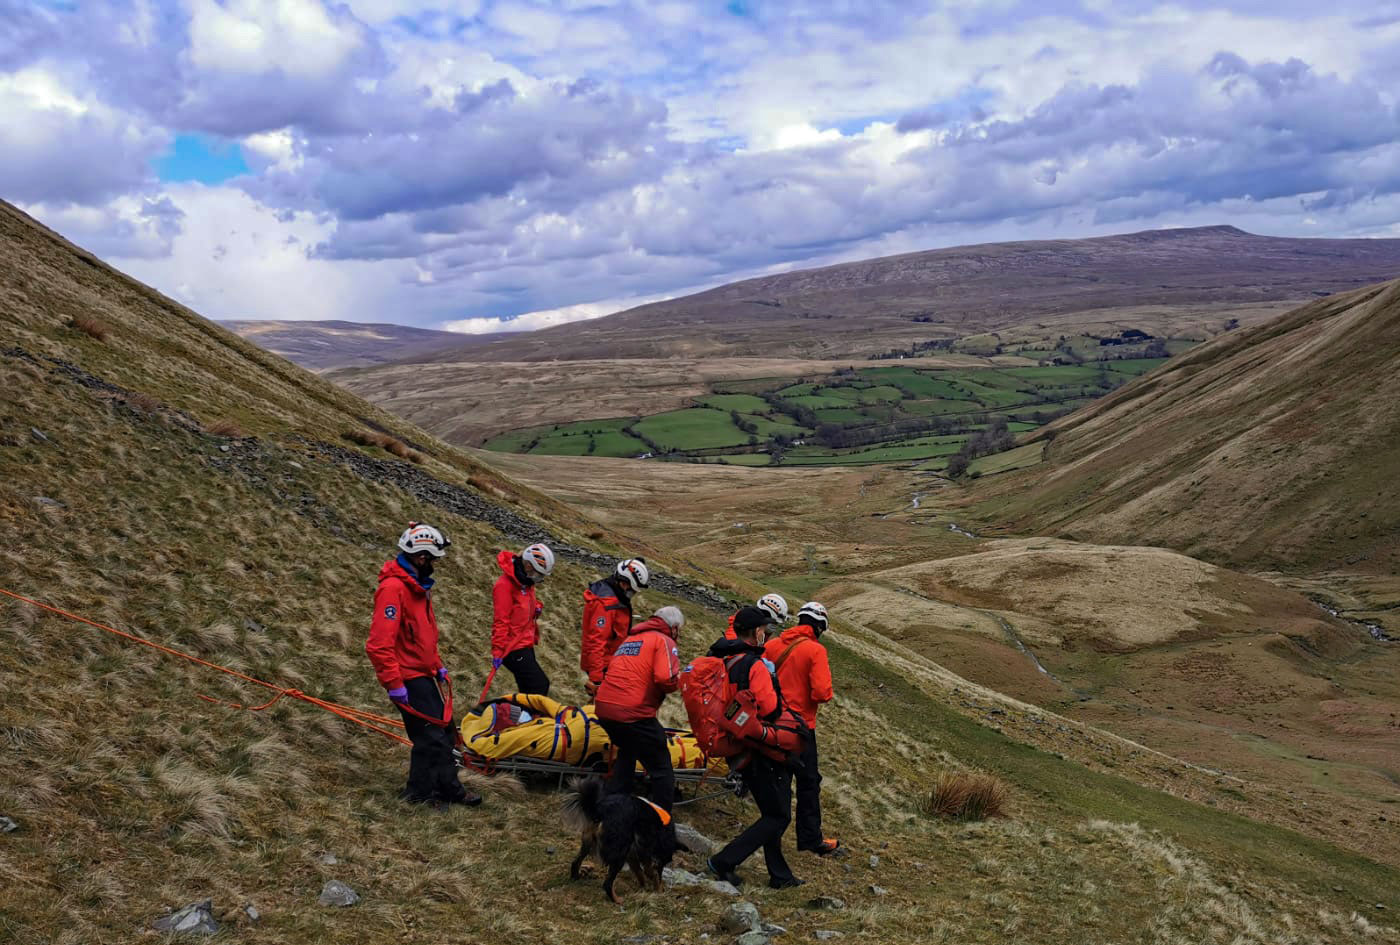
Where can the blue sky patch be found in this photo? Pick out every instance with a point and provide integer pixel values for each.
(202, 158)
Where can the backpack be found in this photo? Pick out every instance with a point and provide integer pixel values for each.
(724, 718)
(707, 693)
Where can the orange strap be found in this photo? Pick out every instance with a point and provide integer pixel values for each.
(369, 720)
(661, 812)
(782, 658)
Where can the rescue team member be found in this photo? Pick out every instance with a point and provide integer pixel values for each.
(607, 617)
(515, 625)
(403, 647)
(643, 670)
(769, 781)
(804, 678)
(771, 604)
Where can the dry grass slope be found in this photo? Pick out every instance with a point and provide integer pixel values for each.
(133, 795)
(1274, 448)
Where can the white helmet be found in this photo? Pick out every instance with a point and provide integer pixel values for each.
(816, 612)
(774, 606)
(540, 558)
(672, 617)
(634, 572)
(419, 537)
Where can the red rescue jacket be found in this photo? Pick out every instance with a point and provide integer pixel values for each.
(403, 636)
(515, 611)
(607, 619)
(729, 633)
(643, 670)
(804, 674)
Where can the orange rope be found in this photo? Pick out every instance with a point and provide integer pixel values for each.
(358, 716)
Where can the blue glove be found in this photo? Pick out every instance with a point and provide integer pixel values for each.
(442, 674)
(496, 663)
(539, 609)
(399, 695)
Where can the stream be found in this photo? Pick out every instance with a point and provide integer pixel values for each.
(1374, 629)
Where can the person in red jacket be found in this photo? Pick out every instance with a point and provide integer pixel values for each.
(771, 604)
(515, 622)
(769, 781)
(607, 617)
(403, 648)
(804, 676)
(644, 668)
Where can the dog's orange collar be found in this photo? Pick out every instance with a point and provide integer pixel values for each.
(661, 812)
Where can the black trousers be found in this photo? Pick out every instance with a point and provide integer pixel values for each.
(529, 677)
(770, 783)
(432, 771)
(809, 798)
(643, 741)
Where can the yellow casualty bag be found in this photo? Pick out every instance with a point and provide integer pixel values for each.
(528, 725)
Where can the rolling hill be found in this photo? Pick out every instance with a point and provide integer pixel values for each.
(163, 476)
(1276, 447)
(324, 345)
(1048, 287)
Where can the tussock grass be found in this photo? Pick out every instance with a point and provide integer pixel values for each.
(390, 444)
(225, 427)
(92, 327)
(965, 795)
(144, 402)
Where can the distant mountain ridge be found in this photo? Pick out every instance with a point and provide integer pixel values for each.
(322, 345)
(861, 308)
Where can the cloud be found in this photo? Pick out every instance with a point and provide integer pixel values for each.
(63, 146)
(462, 161)
(548, 318)
(126, 227)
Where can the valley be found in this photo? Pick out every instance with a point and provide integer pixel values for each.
(1197, 744)
(852, 416)
(1295, 711)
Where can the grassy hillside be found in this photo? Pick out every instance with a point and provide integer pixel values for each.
(1226, 669)
(170, 479)
(1275, 447)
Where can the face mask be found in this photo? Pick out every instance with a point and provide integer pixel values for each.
(425, 570)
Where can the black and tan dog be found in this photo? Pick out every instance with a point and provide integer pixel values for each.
(620, 830)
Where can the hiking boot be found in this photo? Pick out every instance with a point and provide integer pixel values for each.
(724, 876)
(467, 799)
(791, 882)
(828, 847)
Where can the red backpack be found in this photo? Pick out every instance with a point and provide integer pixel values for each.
(724, 718)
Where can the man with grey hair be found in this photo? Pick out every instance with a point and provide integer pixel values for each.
(642, 671)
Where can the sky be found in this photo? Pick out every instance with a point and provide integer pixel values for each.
(479, 165)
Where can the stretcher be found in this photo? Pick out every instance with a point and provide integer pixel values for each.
(532, 735)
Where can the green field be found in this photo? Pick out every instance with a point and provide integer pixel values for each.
(584, 438)
(870, 415)
(693, 428)
(768, 428)
(744, 403)
(745, 459)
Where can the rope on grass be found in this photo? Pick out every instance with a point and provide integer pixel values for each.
(377, 723)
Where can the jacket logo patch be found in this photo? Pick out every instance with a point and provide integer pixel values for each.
(390, 612)
(630, 648)
(602, 621)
